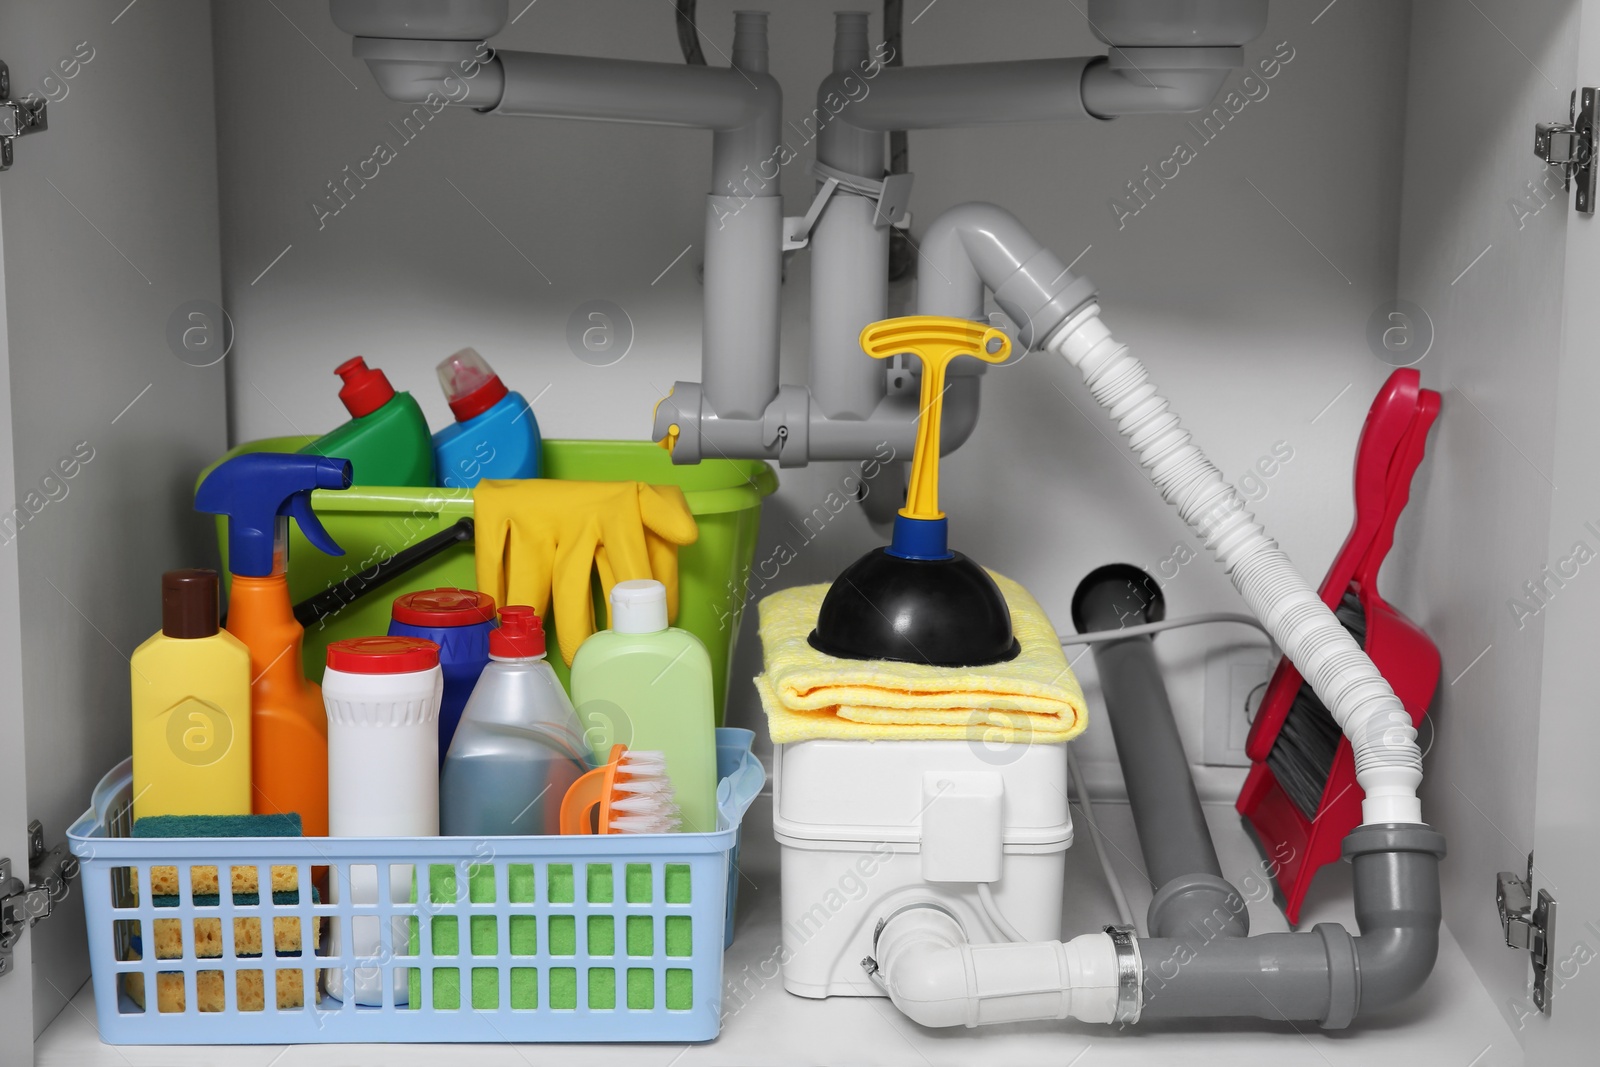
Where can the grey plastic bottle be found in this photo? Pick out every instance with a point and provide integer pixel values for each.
(519, 746)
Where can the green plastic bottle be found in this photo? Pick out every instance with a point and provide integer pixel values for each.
(386, 440)
(647, 685)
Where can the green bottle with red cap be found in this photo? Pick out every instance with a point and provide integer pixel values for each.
(386, 440)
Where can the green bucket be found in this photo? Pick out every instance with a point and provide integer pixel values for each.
(372, 523)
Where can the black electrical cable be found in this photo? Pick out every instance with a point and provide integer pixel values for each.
(902, 256)
(893, 17)
(688, 33)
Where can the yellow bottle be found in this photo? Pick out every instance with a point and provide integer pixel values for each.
(191, 707)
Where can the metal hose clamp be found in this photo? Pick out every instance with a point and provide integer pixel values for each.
(1130, 973)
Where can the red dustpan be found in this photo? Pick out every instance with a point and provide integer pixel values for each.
(1301, 797)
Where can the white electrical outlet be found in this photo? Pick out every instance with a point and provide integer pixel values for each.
(1236, 680)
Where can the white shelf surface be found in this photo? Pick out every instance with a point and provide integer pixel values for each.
(1451, 1023)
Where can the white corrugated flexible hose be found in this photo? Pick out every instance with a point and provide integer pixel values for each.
(1388, 761)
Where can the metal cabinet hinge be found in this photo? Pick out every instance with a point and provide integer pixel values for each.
(22, 906)
(1570, 146)
(17, 117)
(1529, 923)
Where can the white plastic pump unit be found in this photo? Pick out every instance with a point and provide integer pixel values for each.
(866, 826)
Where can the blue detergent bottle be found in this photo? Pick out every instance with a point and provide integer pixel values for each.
(494, 435)
(459, 622)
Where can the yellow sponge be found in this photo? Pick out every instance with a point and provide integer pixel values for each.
(203, 880)
(206, 934)
(245, 878)
(246, 936)
(249, 990)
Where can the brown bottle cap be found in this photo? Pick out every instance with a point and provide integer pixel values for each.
(189, 603)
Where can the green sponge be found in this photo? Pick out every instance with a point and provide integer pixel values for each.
(446, 938)
(217, 826)
(600, 938)
(281, 898)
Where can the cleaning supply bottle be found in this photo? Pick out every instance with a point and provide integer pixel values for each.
(459, 622)
(191, 707)
(259, 492)
(519, 747)
(382, 697)
(647, 685)
(386, 439)
(494, 435)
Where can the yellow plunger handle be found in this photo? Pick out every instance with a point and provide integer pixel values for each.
(935, 340)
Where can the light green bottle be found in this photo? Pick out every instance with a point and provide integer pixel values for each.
(647, 685)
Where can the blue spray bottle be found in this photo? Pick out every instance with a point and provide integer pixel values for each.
(494, 435)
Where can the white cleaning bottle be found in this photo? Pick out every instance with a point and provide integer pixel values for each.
(382, 699)
(519, 747)
(647, 685)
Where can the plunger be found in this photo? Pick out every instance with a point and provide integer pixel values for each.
(916, 600)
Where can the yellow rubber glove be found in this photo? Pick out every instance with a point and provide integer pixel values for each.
(664, 516)
(537, 537)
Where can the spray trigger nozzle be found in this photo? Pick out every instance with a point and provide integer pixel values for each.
(255, 490)
(298, 507)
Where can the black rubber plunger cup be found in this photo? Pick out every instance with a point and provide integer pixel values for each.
(943, 612)
(916, 601)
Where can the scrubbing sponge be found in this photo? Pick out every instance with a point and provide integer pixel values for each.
(445, 936)
(597, 882)
(203, 880)
(218, 826)
(206, 931)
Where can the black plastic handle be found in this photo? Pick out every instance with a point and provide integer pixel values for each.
(334, 599)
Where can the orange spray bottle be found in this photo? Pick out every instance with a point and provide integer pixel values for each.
(259, 492)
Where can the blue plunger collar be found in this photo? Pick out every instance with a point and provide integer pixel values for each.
(925, 539)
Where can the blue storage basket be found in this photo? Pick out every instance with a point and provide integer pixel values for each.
(604, 938)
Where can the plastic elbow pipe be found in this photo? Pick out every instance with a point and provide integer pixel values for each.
(923, 960)
(976, 245)
(1398, 907)
(1157, 81)
(740, 104)
(1324, 974)
(435, 73)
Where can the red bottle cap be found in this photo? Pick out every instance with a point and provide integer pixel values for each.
(470, 385)
(479, 400)
(444, 607)
(521, 634)
(365, 389)
(382, 655)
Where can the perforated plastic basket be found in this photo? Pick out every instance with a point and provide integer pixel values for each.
(604, 938)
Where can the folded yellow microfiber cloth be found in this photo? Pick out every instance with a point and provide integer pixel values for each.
(1033, 698)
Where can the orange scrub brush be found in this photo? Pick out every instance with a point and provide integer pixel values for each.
(631, 791)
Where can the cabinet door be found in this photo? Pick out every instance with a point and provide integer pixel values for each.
(1484, 236)
(1567, 820)
(111, 400)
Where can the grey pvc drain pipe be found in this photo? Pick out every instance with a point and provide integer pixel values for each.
(1199, 963)
(1198, 960)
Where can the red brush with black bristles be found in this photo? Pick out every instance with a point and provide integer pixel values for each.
(1301, 796)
